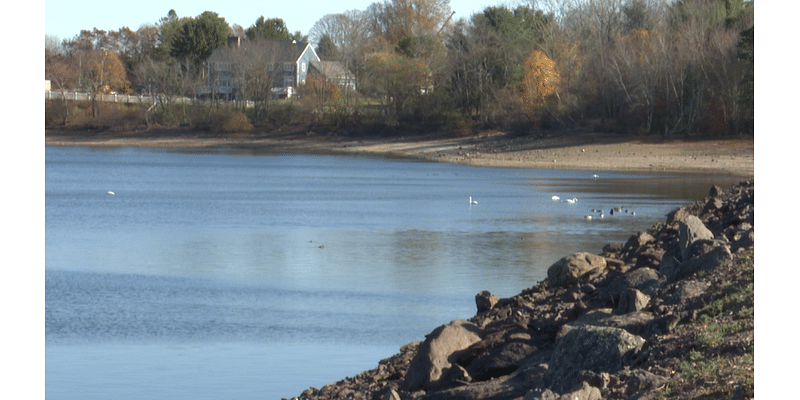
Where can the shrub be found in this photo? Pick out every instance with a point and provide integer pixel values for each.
(236, 121)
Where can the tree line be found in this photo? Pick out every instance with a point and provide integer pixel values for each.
(654, 67)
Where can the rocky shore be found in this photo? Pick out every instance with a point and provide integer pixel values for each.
(668, 314)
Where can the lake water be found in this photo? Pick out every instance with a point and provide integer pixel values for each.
(231, 275)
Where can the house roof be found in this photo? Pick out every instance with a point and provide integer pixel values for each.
(331, 69)
(282, 50)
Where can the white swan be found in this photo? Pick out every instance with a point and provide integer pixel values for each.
(572, 200)
(555, 198)
(110, 193)
(471, 202)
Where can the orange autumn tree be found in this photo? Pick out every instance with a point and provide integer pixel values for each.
(102, 72)
(539, 81)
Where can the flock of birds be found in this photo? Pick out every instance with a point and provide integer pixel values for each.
(599, 212)
(573, 200)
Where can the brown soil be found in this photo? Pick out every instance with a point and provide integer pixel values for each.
(587, 151)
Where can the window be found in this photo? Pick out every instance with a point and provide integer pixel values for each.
(287, 67)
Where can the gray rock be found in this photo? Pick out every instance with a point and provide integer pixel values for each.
(642, 382)
(391, 395)
(433, 357)
(691, 229)
(541, 394)
(586, 392)
(631, 300)
(745, 241)
(596, 349)
(711, 255)
(503, 360)
(638, 240)
(700, 254)
(641, 323)
(568, 270)
(485, 300)
(678, 215)
(687, 291)
(713, 204)
(647, 280)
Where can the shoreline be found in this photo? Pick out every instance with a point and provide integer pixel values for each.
(592, 151)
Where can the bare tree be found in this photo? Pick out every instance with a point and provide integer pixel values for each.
(62, 72)
(254, 70)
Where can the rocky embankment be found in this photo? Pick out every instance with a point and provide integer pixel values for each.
(668, 314)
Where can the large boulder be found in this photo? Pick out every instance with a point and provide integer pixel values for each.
(589, 348)
(701, 255)
(691, 229)
(433, 357)
(646, 280)
(568, 270)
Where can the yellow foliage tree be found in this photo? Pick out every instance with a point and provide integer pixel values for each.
(104, 72)
(540, 80)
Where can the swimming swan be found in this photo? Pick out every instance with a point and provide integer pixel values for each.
(471, 202)
(555, 198)
(572, 200)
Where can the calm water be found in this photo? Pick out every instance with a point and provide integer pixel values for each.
(224, 275)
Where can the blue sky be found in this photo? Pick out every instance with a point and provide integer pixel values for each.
(65, 19)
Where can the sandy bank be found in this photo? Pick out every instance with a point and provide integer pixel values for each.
(584, 151)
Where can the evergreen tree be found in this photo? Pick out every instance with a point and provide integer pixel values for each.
(326, 49)
(199, 37)
(273, 28)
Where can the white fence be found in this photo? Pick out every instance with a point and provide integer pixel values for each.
(114, 98)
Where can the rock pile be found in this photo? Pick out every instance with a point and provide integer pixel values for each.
(583, 333)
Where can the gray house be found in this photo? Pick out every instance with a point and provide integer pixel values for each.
(250, 65)
(334, 72)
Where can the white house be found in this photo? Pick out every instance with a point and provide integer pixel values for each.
(286, 62)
